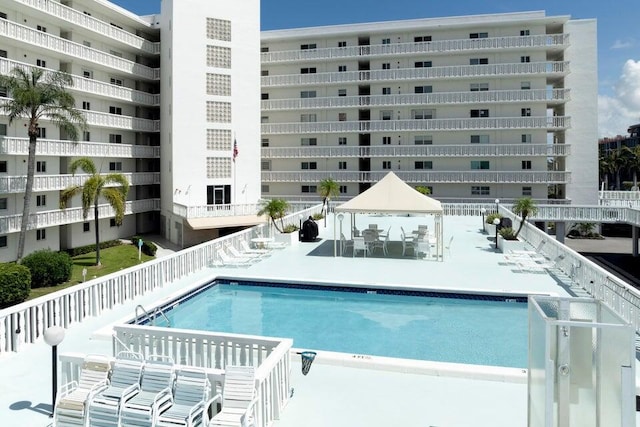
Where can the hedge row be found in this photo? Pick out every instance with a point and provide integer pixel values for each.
(92, 248)
(48, 268)
(15, 284)
(148, 248)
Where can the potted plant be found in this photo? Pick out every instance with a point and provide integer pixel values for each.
(276, 210)
(508, 240)
(490, 228)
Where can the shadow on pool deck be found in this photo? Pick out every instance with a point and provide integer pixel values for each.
(394, 251)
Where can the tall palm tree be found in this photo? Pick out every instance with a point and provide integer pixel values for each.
(524, 207)
(328, 188)
(633, 161)
(619, 161)
(607, 168)
(39, 95)
(95, 187)
(274, 209)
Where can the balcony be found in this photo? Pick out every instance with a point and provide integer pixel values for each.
(16, 184)
(50, 147)
(443, 47)
(468, 150)
(443, 98)
(93, 87)
(421, 177)
(215, 211)
(495, 123)
(101, 28)
(106, 120)
(448, 72)
(41, 40)
(11, 223)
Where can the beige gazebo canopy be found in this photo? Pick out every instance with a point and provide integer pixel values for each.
(391, 195)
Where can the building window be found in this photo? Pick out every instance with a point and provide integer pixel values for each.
(342, 44)
(386, 140)
(386, 114)
(423, 64)
(41, 234)
(526, 164)
(3, 241)
(526, 191)
(115, 138)
(308, 118)
(342, 165)
(479, 139)
(386, 91)
(309, 189)
(342, 117)
(3, 129)
(423, 165)
(423, 114)
(41, 200)
(308, 46)
(3, 92)
(308, 165)
(264, 49)
(525, 85)
(478, 61)
(265, 165)
(525, 32)
(308, 70)
(41, 28)
(478, 35)
(116, 81)
(112, 222)
(386, 66)
(265, 142)
(525, 138)
(525, 59)
(41, 63)
(479, 87)
(3, 166)
(42, 132)
(86, 105)
(342, 140)
(479, 113)
(264, 96)
(419, 39)
(41, 166)
(115, 110)
(343, 189)
(86, 227)
(423, 89)
(423, 140)
(87, 74)
(342, 68)
(264, 73)
(115, 166)
(386, 164)
(525, 112)
(479, 164)
(308, 141)
(477, 190)
(264, 119)
(386, 41)
(307, 94)
(86, 135)
(3, 15)
(342, 92)
(3, 203)
(218, 84)
(264, 188)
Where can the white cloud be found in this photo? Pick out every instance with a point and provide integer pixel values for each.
(616, 113)
(622, 44)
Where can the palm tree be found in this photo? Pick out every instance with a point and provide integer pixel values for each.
(633, 161)
(39, 95)
(606, 168)
(524, 207)
(328, 188)
(619, 160)
(423, 190)
(275, 209)
(95, 187)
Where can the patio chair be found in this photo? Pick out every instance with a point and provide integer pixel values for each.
(247, 250)
(238, 398)
(384, 244)
(189, 399)
(407, 242)
(72, 400)
(154, 396)
(237, 254)
(104, 408)
(359, 245)
(275, 245)
(228, 261)
(344, 244)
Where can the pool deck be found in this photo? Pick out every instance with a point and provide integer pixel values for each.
(353, 393)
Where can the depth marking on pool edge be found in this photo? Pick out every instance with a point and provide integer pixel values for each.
(361, 356)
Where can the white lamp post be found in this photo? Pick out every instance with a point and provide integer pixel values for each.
(496, 222)
(300, 227)
(497, 203)
(340, 218)
(54, 336)
(483, 211)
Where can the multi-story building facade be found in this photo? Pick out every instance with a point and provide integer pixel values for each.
(477, 107)
(209, 58)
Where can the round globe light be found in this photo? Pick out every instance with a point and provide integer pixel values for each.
(54, 335)
(496, 221)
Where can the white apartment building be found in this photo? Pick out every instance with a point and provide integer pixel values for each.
(475, 108)
(184, 182)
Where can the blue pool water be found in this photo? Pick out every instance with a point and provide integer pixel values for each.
(428, 328)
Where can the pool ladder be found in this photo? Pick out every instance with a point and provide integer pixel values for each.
(151, 318)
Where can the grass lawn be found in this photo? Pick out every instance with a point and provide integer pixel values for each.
(113, 259)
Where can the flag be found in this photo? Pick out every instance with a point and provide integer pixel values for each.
(235, 149)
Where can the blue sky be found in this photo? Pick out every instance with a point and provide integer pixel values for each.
(618, 34)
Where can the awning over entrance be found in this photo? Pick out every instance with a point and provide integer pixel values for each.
(224, 221)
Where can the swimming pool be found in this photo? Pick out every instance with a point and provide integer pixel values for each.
(464, 329)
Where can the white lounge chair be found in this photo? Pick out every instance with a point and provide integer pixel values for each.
(228, 261)
(238, 398)
(189, 399)
(72, 400)
(104, 408)
(154, 396)
(237, 254)
(246, 249)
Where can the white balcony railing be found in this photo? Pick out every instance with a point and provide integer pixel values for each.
(446, 72)
(214, 211)
(62, 46)
(101, 28)
(435, 177)
(11, 223)
(468, 150)
(434, 47)
(444, 98)
(91, 86)
(623, 196)
(497, 123)
(96, 118)
(50, 147)
(16, 184)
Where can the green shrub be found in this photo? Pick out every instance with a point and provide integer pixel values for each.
(317, 216)
(492, 216)
(48, 268)
(291, 228)
(508, 233)
(149, 248)
(15, 284)
(92, 248)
